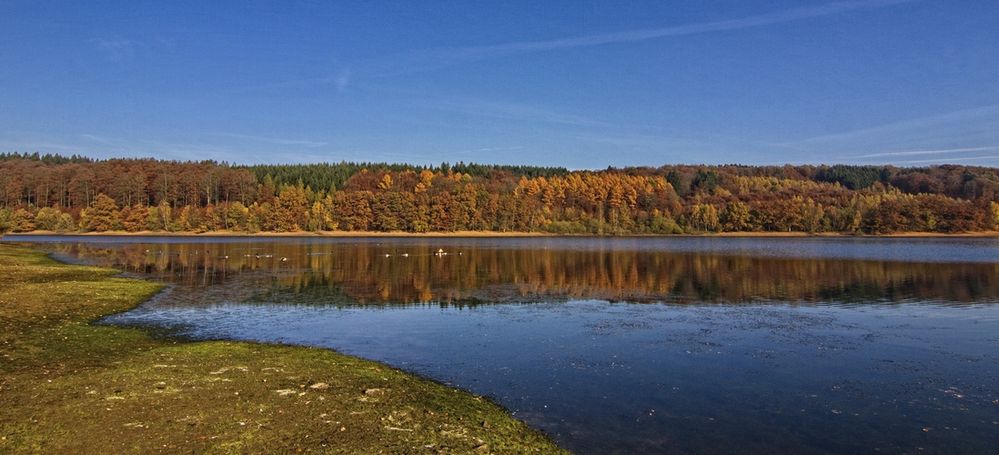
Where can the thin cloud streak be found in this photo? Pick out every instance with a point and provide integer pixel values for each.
(929, 152)
(760, 20)
(431, 59)
(954, 132)
(434, 58)
(116, 50)
(274, 140)
(514, 112)
(983, 114)
(952, 160)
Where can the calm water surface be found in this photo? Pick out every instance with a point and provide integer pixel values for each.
(681, 345)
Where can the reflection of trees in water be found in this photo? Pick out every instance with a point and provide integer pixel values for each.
(361, 273)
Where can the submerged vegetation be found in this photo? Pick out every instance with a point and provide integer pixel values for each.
(68, 386)
(57, 193)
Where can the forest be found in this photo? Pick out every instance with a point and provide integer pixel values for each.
(80, 194)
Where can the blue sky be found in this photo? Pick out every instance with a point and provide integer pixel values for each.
(570, 83)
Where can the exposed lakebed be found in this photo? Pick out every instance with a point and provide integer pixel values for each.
(664, 345)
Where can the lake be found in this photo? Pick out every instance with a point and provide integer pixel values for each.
(624, 345)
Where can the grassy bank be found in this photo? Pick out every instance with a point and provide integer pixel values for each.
(67, 386)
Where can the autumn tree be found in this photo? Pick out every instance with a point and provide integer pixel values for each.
(159, 218)
(321, 215)
(21, 220)
(352, 210)
(183, 221)
(703, 217)
(102, 215)
(51, 219)
(235, 216)
(134, 218)
(290, 209)
(735, 217)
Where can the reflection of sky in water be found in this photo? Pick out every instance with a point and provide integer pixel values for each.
(793, 369)
(602, 377)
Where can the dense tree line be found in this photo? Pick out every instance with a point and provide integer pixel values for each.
(50, 192)
(335, 175)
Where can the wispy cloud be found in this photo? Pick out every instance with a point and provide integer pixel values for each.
(431, 59)
(512, 111)
(434, 58)
(116, 50)
(951, 160)
(342, 79)
(948, 133)
(98, 139)
(481, 154)
(958, 122)
(929, 152)
(121, 50)
(274, 140)
(494, 149)
(777, 17)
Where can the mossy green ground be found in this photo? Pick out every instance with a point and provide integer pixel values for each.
(67, 386)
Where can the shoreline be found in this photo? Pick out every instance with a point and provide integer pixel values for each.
(491, 234)
(206, 396)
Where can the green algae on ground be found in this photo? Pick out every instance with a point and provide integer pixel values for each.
(68, 386)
